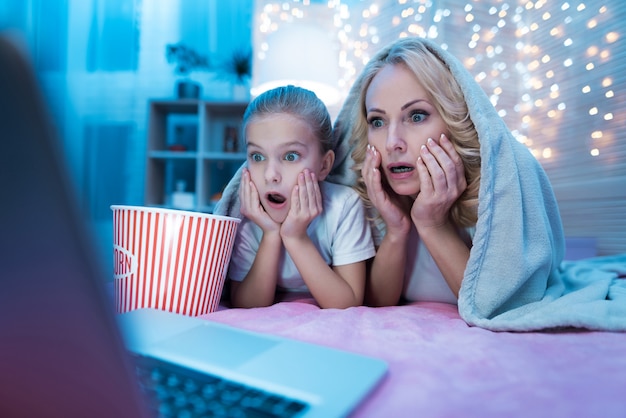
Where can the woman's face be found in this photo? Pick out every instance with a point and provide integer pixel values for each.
(400, 117)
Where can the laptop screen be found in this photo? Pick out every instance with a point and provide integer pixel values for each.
(60, 351)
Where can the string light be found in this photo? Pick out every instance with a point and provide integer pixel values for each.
(523, 82)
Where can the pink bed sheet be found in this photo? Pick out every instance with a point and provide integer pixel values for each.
(440, 367)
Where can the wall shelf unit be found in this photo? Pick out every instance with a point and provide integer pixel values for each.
(194, 149)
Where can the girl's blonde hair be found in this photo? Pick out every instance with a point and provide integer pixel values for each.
(445, 94)
(298, 102)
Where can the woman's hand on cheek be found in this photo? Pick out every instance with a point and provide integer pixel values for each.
(395, 219)
(306, 205)
(251, 206)
(442, 181)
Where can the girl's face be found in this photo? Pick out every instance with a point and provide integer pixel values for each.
(401, 117)
(279, 147)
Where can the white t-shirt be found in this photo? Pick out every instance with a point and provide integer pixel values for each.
(423, 280)
(341, 234)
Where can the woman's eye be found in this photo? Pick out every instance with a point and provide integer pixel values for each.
(418, 116)
(292, 156)
(256, 157)
(376, 122)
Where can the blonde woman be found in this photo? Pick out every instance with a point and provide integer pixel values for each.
(417, 160)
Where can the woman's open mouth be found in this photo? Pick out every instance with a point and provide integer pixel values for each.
(401, 169)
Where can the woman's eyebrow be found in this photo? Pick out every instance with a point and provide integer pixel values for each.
(377, 110)
(411, 103)
(404, 107)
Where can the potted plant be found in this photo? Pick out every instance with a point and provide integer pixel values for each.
(187, 60)
(238, 69)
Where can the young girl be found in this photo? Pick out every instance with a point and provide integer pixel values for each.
(299, 233)
(417, 154)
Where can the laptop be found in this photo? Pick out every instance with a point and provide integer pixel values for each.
(63, 350)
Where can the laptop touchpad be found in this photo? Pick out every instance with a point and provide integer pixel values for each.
(215, 345)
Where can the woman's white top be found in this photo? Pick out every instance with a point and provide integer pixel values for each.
(423, 279)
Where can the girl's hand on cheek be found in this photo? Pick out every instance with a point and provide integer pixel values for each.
(251, 206)
(306, 205)
(442, 181)
(395, 219)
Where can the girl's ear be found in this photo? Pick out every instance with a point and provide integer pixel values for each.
(327, 164)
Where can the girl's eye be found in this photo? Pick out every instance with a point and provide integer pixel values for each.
(292, 156)
(376, 122)
(256, 157)
(418, 116)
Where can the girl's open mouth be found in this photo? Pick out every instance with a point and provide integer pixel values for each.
(276, 198)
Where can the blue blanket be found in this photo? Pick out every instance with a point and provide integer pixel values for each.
(515, 279)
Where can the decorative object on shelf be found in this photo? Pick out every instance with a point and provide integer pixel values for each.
(231, 139)
(182, 199)
(177, 148)
(182, 132)
(187, 60)
(238, 69)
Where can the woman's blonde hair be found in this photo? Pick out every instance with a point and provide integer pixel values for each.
(445, 94)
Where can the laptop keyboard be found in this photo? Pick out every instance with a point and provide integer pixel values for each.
(175, 391)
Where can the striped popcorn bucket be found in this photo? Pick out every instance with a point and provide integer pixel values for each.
(171, 260)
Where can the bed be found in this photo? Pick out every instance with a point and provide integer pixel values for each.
(441, 367)
(515, 283)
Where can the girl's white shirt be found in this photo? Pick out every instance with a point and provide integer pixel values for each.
(341, 234)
